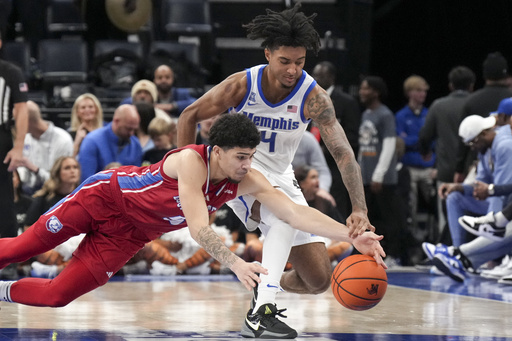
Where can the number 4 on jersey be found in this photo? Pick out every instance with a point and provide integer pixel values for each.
(271, 140)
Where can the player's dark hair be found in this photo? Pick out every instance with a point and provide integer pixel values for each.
(287, 28)
(234, 130)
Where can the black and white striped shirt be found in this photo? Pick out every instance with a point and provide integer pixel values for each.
(13, 89)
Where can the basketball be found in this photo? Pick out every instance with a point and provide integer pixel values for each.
(358, 282)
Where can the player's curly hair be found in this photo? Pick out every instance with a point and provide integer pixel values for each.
(234, 130)
(287, 28)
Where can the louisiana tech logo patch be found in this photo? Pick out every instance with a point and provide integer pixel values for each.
(53, 224)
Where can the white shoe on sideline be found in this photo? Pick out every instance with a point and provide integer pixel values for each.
(504, 269)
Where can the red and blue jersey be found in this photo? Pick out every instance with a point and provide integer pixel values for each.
(150, 198)
(120, 210)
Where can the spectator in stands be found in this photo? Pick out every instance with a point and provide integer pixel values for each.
(442, 125)
(142, 91)
(64, 178)
(348, 114)
(377, 142)
(113, 142)
(145, 91)
(494, 241)
(504, 112)
(170, 99)
(146, 113)
(310, 153)
(482, 102)
(86, 116)
(162, 133)
(494, 147)
(409, 121)
(44, 144)
(308, 179)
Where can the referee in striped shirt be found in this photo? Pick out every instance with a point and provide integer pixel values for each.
(13, 107)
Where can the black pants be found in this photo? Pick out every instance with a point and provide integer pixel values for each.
(386, 212)
(8, 224)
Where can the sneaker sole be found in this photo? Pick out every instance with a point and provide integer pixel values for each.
(250, 333)
(477, 232)
(445, 268)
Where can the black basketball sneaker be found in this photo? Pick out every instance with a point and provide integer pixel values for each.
(265, 325)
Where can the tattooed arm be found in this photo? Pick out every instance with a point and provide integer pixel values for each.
(212, 244)
(189, 169)
(320, 109)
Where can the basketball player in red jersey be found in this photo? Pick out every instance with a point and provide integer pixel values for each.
(122, 209)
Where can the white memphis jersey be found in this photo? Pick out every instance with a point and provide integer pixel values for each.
(281, 125)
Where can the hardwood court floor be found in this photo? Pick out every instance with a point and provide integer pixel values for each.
(417, 306)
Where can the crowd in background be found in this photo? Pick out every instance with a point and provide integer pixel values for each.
(417, 163)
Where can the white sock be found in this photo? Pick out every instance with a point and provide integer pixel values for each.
(276, 250)
(266, 294)
(5, 291)
(500, 219)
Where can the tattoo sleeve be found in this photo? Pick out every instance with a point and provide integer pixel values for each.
(212, 244)
(321, 110)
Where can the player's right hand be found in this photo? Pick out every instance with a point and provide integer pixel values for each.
(247, 273)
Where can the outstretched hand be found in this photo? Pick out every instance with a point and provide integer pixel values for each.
(247, 273)
(368, 244)
(358, 223)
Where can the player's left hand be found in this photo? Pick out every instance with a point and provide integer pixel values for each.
(247, 273)
(358, 223)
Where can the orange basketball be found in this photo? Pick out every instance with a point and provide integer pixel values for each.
(358, 282)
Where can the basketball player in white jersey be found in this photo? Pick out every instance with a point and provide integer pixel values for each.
(281, 99)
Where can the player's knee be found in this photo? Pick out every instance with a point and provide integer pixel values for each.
(320, 283)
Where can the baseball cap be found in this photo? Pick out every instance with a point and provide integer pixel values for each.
(495, 66)
(146, 85)
(505, 107)
(473, 125)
